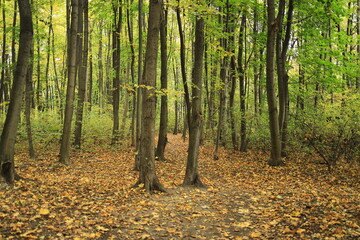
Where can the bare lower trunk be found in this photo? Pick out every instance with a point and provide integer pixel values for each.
(147, 175)
(8, 136)
(192, 176)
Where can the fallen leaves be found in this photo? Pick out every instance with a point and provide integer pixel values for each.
(245, 199)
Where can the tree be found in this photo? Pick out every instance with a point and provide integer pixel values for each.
(8, 136)
(147, 175)
(192, 177)
(70, 91)
(275, 157)
(117, 10)
(162, 140)
(83, 52)
(282, 46)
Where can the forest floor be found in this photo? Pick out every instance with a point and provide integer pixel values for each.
(245, 198)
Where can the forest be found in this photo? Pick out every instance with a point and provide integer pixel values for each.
(180, 119)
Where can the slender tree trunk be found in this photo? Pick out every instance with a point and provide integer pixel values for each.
(3, 55)
(139, 90)
(192, 177)
(358, 44)
(101, 69)
(70, 91)
(243, 133)
(162, 139)
(48, 53)
(117, 9)
(132, 69)
(223, 93)
(282, 46)
(232, 74)
(275, 157)
(8, 136)
(176, 125)
(29, 91)
(256, 57)
(183, 63)
(147, 175)
(90, 75)
(82, 70)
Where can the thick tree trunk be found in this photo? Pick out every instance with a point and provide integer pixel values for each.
(192, 177)
(70, 91)
(147, 175)
(8, 136)
(275, 157)
(162, 139)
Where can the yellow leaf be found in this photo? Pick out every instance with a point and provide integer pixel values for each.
(255, 234)
(44, 211)
(300, 230)
(242, 224)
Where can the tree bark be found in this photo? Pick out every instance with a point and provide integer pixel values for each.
(117, 9)
(147, 175)
(162, 139)
(83, 44)
(139, 90)
(70, 91)
(282, 46)
(3, 55)
(243, 135)
(192, 177)
(8, 136)
(29, 92)
(275, 157)
(358, 44)
(183, 64)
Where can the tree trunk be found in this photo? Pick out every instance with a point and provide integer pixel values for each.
(139, 90)
(8, 136)
(232, 74)
(117, 9)
(243, 134)
(223, 93)
(162, 140)
(147, 175)
(192, 177)
(183, 64)
(83, 43)
(101, 69)
(275, 157)
(358, 44)
(132, 69)
(3, 55)
(28, 96)
(70, 91)
(176, 125)
(282, 46)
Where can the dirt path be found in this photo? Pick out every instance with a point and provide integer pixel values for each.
(245, 199)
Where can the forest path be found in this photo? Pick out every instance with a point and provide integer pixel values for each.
(245, 198)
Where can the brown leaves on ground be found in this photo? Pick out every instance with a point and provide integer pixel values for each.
(245, 198)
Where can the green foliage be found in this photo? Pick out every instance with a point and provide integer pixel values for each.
(333, 130)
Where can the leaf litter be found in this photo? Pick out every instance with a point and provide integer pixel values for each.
(245, 199)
